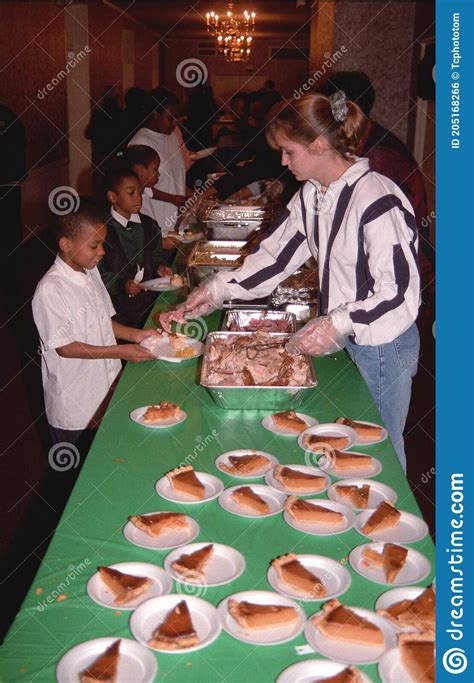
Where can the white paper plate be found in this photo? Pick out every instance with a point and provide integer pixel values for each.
(416, 567)
(353, 473)
(271, 636)
(275, 500)
(328, 429)
(278, 486)
(225, 565)
(371, 442)
(171, 539)
(324, 529)
(136, 663)
(160, 347)
(335, 577)
(162, 584)
(160, 284)
(151, 613)
(202, 153)
(269, 424)
(137, 416)
(409, 529)
(349, 653)
(391, 669)
(313, 670)
(224, 458)
(377, 494)
(212, 488)
(390, 597)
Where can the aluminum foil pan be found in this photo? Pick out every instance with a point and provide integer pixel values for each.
(236, 213)
(245, 320)
(214, 256)
(232, 231)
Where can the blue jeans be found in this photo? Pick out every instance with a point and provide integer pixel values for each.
(388, 370)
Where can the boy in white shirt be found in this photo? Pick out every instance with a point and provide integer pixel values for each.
(72, 311)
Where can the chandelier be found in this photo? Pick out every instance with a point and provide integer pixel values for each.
(232, 33)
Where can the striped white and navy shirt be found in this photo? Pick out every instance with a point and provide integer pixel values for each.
(362, 232)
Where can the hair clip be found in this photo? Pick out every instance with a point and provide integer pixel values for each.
(338, 102)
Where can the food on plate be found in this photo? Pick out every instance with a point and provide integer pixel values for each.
(184, 480)
(246, 497)
(253, 616)
(178, 342)
(316, 442)
(176, 280)
(124, 587)
(358, 496)
(417, 651)
(245, 464)
(348, 675)
(160, 522)
(176, 631)
(162, 412)
(311, 513)
(104, 667)
(419, 613)
(288, 419)
(338, 622)
(385, 516)
(192, 565)
(391, 559)
(364, 431)
(266, 324)
(257, 359)
(297, 481)
(292, 572)
(188, 352)
(350, 461)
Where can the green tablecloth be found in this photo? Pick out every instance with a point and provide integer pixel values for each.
(118, 479)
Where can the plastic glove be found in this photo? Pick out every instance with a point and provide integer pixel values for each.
(319, 337)
(199, 302)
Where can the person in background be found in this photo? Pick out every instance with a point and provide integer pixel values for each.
(232, 138)
(135, 113)
(80, 357)
(105, 132)
(201, 113)
(145, 163)
(133, 243)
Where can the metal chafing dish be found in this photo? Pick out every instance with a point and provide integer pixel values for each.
(227, 222)
(214, 256)
(243, 318)
(233, 397)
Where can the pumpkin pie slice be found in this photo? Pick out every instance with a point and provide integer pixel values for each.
(304, 511)
(289, 420)
(347, 675)
(419, 613)
(350, 461)
(246, 497)
(297, 481)
(162, 412)
(293, 573)
(104, 668)
(385, 516)
(364, 432)
(338, 622)
(245, 464)
(357, 496)
(125, 587)
(315, 441)
(184, 480)
(249, 615)
(160, 522)
(391, 559)
(176, 631)
(417, 651)
(192, 565)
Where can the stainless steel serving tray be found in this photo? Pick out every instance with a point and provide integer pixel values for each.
(236, 213)
(199, 262)
(232, 231)
(243, 317)
(255, 397)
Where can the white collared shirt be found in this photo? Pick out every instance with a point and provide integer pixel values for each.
(134, 217)
(72, 306)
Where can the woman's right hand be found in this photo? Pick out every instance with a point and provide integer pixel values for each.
(199, 302)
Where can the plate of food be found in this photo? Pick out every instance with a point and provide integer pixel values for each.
(163, 414)
(288, 423)
(205, 564)
(386, 523)
(301, 480)
(164, 284)
(245, 463)
(349, 464)
(127, 584)
(336, 436)
(410, 608)
(412, 660)
(252, 501)
(160, 530)
(173, 347)
(311, 578)
(368, 433)
(360, 494)
(184, 485)
(389, 563)
(318, 517)
(314, 670)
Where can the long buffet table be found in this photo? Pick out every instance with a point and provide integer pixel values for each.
(117, 480)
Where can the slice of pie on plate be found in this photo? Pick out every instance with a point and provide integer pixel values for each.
(391, 559)
(290, 421)
(364, 432)
(104, 667)
(176, 631)
(252, 616)
(315, 441)
(184, 480)
(338, 622)
(357, 496)
(419, 613)
(246, 497)
(350, 461)
(162, 412)
(245, 464)
(385, 516)
(311, 513)
(417, 652)
(160, 522)
(192, 565)
(124, 587)
(293, 573)
(297, 481)
(348, 675)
